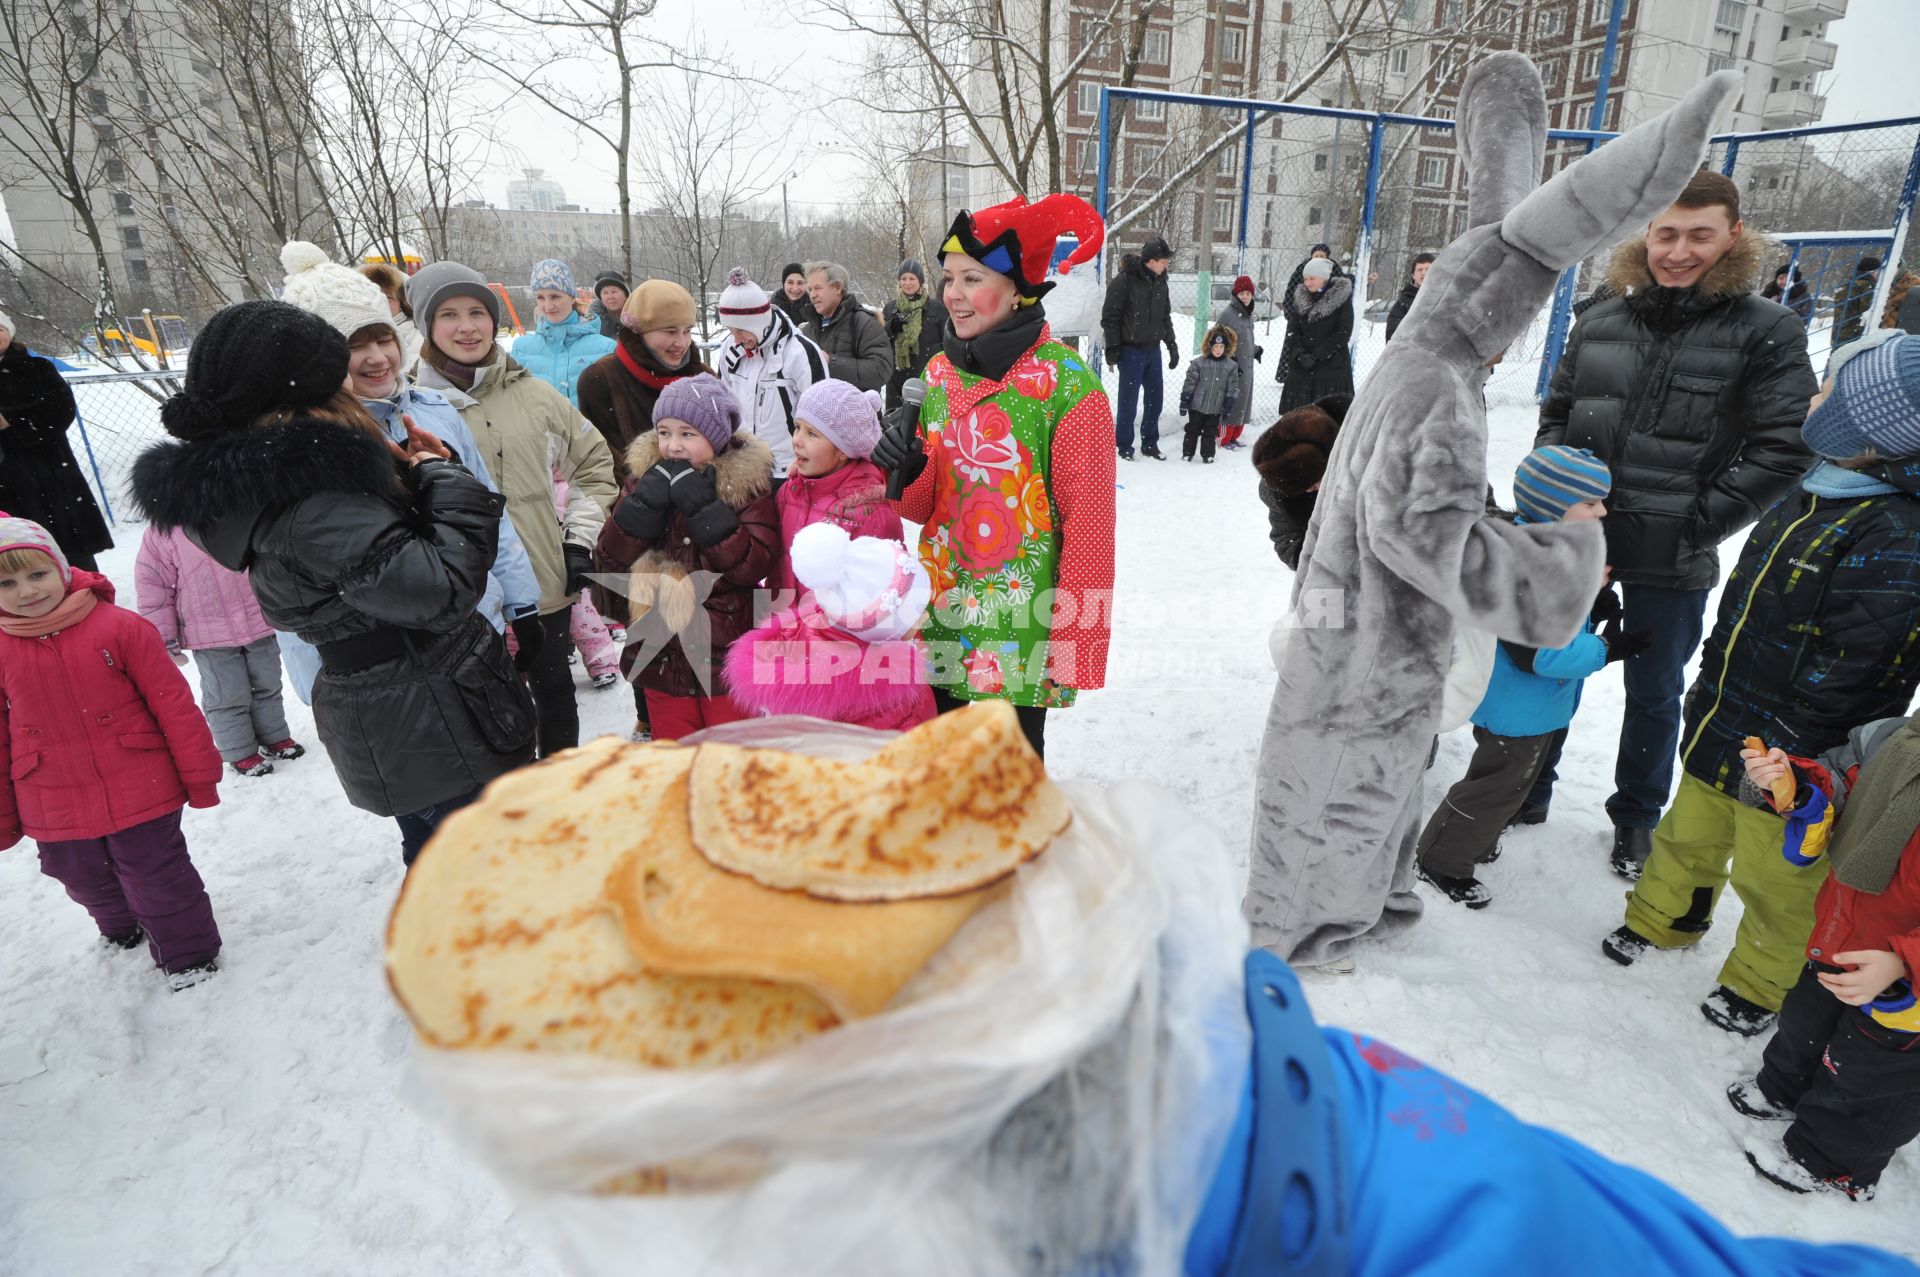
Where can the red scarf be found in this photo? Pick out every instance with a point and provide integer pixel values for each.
(658, 381)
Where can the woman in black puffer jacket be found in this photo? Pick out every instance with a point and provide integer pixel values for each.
(375, 556)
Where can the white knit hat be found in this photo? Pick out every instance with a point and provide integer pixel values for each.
(342, 296)
(6, 322)
(744, 304)
(871, 587)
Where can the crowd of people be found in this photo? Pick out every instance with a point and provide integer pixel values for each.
(424, 525)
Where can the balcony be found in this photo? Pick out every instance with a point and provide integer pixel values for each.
(1808, 12)
(1805, 53)
(1791, 108)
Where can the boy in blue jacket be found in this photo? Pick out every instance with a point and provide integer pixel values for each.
(1532, 695)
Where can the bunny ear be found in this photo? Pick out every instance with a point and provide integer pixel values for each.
(1501, 134)
(1619, 187)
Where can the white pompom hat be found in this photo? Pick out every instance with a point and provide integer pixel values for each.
(744, 304)
(871, 587)
(342, 296)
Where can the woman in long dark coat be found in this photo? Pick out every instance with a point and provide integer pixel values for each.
(1315, 361)
(39, 477)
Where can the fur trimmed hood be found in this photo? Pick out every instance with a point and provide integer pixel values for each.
(1220, 330)
(1743, 270)
(1312, 307)
(197, 485)
(742, 474)
(797, 663)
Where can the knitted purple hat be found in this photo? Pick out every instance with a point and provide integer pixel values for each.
(17, 533)
(848, 416)
(703, 403)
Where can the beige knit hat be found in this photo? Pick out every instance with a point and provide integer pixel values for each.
(342, 296)
(655, 304)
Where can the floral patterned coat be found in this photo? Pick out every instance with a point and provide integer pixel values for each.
(1017, 510)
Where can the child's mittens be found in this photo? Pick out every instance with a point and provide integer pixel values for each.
(203, 796)
(179, 657)
(1808, 827)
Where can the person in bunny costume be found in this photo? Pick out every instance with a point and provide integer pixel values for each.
(1401, 550)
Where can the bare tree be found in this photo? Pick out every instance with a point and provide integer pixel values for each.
(53, 116)
(707, 163)
(580, 40)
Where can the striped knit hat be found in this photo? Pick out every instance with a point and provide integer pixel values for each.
(17, 533)
(1875, 404)
(744, 304)
(1554, 479)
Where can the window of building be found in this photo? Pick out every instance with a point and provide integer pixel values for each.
(130, 237)
(1223, 213)
(1717, 62)
(116, 170)
(1503, 17)
(1550, 22)
(1590, 64)
(1400, 61)
(1550, 73)
(1320, 162)
(1227, 163)
(1449, 13)
(1233, 44)
(1089, 157)
(1443, 66)
(1433, 171)
(1089, 98)
(97, 101)
(122, 203)
(1157, 48)
(1731, 16)
(1150, 110)
(1313, 215)
(137, 272)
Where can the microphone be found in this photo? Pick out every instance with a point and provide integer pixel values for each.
(912, 394)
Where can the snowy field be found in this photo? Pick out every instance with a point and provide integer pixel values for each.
(252, 1124)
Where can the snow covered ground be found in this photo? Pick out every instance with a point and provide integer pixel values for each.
(252, 1124)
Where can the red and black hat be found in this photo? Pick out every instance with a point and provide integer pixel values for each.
(1017, 238)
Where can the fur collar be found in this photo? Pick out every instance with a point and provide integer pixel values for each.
(193, 485)
(1219, 330)
(1311, 308)
(742, 474)
(1741, 271)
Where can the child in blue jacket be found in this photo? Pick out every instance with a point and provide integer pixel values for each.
(1532, 695)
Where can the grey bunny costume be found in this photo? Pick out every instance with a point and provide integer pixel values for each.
(1401, 550)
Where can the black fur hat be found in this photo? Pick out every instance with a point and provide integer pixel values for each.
(1291, 455)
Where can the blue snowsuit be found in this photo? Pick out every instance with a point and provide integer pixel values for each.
(558, 353)
(1350, 1158)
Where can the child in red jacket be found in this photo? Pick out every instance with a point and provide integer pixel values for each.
(1844, 1064)
(100, 747)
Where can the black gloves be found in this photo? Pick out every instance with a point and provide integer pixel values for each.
(900, 450)
(1173, 356)
(709, 519)
(642, 513)
(1186, 404)
(1259, 353)
(579, 564)
(1606, 608)
(1113, 356)
(1306, 359)
(1228, 410)
(528, 637)
(896, 324)
(1623, 645)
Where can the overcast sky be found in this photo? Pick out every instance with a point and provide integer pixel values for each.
(1873, 77)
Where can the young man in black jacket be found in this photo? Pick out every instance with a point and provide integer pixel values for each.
(1691, 387)
(1136, 319)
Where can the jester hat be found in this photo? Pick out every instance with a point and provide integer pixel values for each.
(1016, 239)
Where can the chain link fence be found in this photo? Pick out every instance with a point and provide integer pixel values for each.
(1380, 189)
(119, 418)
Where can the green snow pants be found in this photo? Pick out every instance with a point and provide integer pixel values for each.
(1703, 835)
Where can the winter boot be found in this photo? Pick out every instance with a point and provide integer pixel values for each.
(642, 732)
(125, 940)
(603, 681)
(1126, 454)
(1529, 814)
(1470, 892)
(1729, 1011)
(1625, 946)
(1772, 1162)
(253, 765)
(288, 748)
(187, 977)
(1154, 452)
(1749, 1100)
(1489, 857)
(618, 635)
(1205, 461)
(1631, 847)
